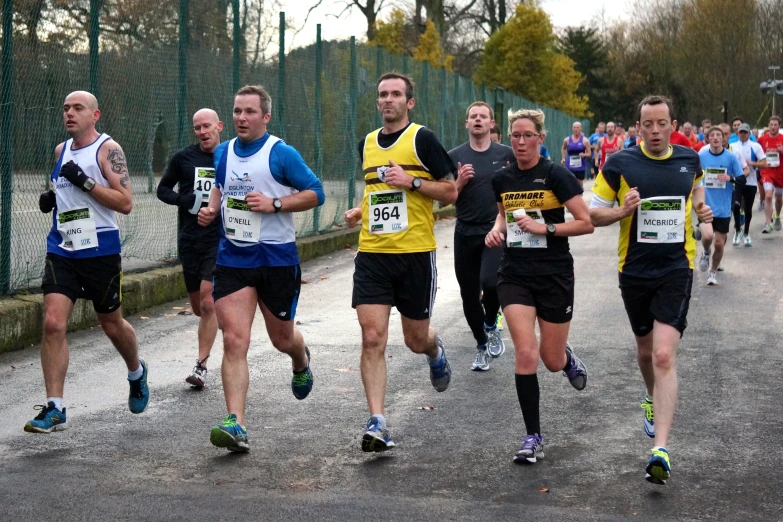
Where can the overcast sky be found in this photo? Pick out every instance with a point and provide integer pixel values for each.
(562, 13)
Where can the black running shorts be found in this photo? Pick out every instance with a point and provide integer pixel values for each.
(198, 260)
(551, 295)
(664, 299)
(407, 281)
(98, 279)
(721, 225)
(277, 286)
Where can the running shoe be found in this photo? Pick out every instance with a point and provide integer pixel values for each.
(649, 417)
(748, 242)
(531, 450)
(761, 205)
(713, 279)
(737, 238)
(767, 228)
(777, 225)
(230, 435)
(704, 261)
(139, 395)
(440, 370)
(499, 322)
(658, 468)
(697, 233)
(376, 437)
(495, 345)
(49, 419)
(302, 381)
(198, 377)
(481, 363)
(577, 373)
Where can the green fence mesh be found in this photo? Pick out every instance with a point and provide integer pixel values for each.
(321, 106)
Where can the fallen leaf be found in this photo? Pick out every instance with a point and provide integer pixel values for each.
(347, 369)
(170, 315)
(142, 317)
(299, 322)
(347, 246)
(426, 408)
(445, 246)
(305, 282)
(13, 367)
(185, 312)
(543, 490)
(324, 277)
(177, 307)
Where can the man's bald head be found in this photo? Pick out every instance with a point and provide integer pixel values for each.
(207, 126)
(85, 98)
(206, 114)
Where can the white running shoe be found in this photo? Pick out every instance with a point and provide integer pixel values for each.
(767, 228)
(481, 363)
(737, 238)
(713, 279)
(748, 242)
(704, 261)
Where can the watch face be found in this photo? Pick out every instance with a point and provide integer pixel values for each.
(89, 184)
(417, 182)
(278, 204)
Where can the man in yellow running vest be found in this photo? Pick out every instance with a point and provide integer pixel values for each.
(405, 169)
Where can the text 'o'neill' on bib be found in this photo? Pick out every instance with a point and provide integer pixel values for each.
(388, 212)
(711, 177)
(661, 220)
(242, 224)
(77, 228)
(516, 237)
(204, 179)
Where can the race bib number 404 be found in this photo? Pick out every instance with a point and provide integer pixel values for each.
(77, 228)
(203, 181)
(661, 220)
(388, 212)
(241, 224)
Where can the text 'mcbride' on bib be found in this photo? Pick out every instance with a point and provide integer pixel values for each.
(203, 181)
(517, 238)
(77, 228)
(242, 224)
(661, 220)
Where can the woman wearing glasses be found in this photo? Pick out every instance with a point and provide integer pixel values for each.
(536, 276)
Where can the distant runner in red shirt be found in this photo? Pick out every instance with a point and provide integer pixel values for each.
(608, 145)
(772, 143)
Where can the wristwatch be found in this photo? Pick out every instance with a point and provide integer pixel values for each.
(89, 184)
(277, 204)
(550, 229)
(415, 184)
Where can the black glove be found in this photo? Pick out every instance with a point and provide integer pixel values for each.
(74, 173)
(47, 201)
(186, 201)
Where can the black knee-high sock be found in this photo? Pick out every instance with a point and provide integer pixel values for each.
(528, 394)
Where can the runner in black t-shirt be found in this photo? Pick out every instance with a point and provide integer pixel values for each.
(192, 168)
(475, 264)
(536, 278)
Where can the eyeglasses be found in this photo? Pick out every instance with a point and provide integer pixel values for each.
(524, 137)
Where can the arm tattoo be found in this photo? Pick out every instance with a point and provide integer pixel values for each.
(119, 166)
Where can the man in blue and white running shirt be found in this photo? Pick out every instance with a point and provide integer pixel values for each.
(90, 183)
(260, 181)
(721, 170)
(599, 133)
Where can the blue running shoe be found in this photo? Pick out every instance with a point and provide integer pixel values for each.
(230, 435)
(302, 382)
(440, 370)
(49, 419)
(531, 450)
(139, 395)
(649, 417)
(376, 438)
(658, 468)
(577, 373)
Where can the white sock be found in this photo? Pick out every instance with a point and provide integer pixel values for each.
(135, 376)
(58, 402)
(380, 418)
(437, 357)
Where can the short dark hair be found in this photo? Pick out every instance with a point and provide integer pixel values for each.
(714, 128)
(265, 101)
(736, 118)
(705, 122)
(776, 118)
(656, 99)
(397, 76)
(495, 129)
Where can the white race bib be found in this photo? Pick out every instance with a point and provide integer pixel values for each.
(574, 162)
(77, 228)
(388, 211)
(661, 220)
(203, 180)
(711, 177)
(517, 238)
(241, 223)
(773, 158)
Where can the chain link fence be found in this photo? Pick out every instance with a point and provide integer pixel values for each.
(323, 102)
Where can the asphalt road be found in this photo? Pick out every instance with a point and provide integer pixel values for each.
(452, 462)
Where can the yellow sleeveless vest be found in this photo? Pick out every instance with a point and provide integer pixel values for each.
(419, 235)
